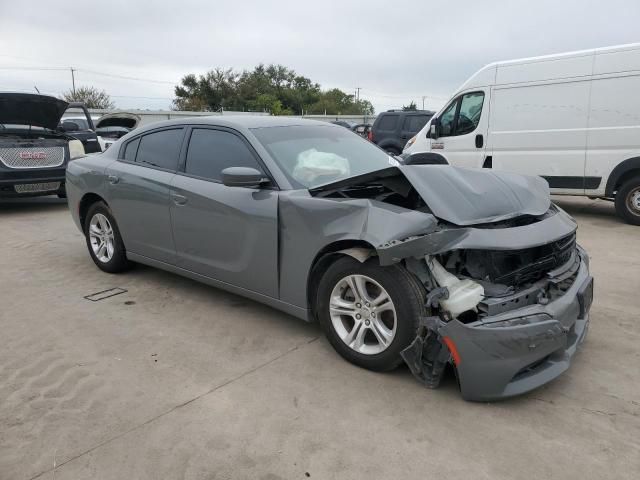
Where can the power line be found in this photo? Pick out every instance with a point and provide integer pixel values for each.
(125, 77)
(92, 72)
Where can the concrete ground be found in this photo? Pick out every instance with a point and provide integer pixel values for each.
(174, 379)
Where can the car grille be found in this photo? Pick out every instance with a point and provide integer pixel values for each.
(32, 157)
(517, 267)
(37, 187)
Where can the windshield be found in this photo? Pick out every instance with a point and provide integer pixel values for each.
(315, 155)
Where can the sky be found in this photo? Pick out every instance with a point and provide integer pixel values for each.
(396, 52)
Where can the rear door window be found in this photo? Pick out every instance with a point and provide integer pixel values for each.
(414, 123)
(388, 122)
(211, 151)
(160, 149)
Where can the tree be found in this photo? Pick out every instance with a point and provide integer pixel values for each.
(90, 96)
(274, 88)
(412, 107)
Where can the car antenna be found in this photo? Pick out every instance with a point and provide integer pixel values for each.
(37, 89)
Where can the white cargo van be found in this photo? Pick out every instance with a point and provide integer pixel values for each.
(572, 118)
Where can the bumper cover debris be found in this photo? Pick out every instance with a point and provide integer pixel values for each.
(511, 352)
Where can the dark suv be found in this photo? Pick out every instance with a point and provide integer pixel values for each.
(34, 151)
(392, 129)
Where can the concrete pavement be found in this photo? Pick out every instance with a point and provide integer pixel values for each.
(174, 379)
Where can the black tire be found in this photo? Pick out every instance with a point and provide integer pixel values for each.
(626, 208)
(118, 262)
(408, 297)
(392, 151)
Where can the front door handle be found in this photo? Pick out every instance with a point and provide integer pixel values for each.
(113, 179)
(479, 141)
(178, 199)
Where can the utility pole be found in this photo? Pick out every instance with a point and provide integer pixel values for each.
(73, 81)
(358, 94)
(423, 97)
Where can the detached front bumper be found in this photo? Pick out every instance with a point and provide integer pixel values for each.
(513, 352)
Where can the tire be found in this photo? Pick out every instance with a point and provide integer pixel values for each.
(628, 201)
(407, 296)
(392, 151)
(116, 262)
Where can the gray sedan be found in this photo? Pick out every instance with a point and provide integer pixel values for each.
(430, 265)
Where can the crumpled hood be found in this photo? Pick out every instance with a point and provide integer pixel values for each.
(465, 196)
(31, 109)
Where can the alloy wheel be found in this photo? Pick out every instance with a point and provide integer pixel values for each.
(101, 237)
(362, 314)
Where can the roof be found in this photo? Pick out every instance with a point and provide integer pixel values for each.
(238, 122)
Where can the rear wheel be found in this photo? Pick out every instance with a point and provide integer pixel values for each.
(628, 201)
(104, 241)
(369, 313)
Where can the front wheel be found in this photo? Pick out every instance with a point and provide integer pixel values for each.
(628, 201)
(369, 313)
(104, 241)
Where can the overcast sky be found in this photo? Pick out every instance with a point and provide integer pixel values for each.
(395, 51)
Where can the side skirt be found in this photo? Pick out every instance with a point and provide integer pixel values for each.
(294, 310)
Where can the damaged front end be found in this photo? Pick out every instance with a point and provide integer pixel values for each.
(508, 289)
(509, 320)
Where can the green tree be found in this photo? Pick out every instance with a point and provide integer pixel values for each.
(90, 96)
(412, 107)
(273, 88)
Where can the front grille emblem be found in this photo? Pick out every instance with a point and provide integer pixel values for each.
(32, 155)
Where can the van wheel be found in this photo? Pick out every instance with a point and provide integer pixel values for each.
(628, 201)
(369, 313)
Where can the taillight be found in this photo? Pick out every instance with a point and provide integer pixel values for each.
(370, 136)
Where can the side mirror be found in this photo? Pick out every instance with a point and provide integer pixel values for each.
(243, 177)
(434, 130)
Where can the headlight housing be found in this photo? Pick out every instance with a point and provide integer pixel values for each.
(76, 149)
(411, 141)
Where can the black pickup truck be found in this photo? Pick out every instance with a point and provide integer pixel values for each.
(34, 151)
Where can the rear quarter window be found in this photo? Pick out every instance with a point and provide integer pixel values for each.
(388, 122)
(130, 150)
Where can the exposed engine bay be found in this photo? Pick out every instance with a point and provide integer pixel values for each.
(496, 265)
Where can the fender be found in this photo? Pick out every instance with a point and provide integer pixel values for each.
(619, 171)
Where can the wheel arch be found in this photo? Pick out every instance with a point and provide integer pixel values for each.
(621, 173)
(86, 201)
(325, 257)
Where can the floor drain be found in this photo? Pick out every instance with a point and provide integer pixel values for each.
(96, 297)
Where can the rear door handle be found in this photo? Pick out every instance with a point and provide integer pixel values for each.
(113, 179)
(479, 141)
(178, 199)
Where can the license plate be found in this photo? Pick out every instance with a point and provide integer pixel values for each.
(37, 187)
(585, 297)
